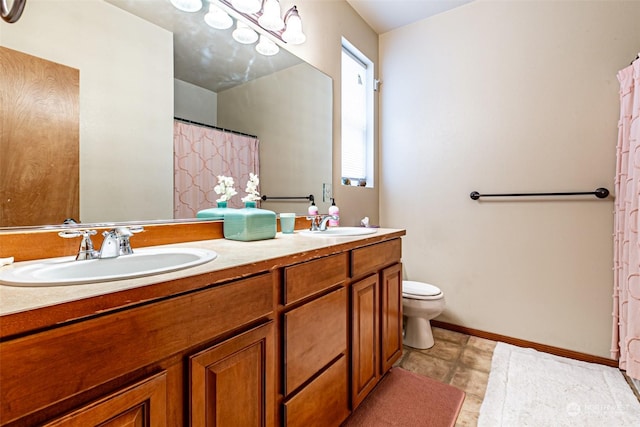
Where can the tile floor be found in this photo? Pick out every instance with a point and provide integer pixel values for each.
(460, 360)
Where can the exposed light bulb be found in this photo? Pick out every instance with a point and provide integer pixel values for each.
(267, 47)
(218, 18)
(270, 18)
(293, 33)
(243, 34)
(187, 5)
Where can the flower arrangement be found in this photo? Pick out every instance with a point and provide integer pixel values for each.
(252, 189)
(225, 188)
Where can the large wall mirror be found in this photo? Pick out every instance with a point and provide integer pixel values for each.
(142, 63)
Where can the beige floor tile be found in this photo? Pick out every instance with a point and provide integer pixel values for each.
(482, 344)
(447, 350)
(470, 380)
(431, 367)
(477, 359)
(447, 335)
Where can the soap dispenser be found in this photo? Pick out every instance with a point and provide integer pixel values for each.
(335, 211)
(313, 209)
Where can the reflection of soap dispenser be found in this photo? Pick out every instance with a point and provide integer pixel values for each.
(335, 211)
(313, 209)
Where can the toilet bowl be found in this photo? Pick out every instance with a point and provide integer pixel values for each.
(421, 302)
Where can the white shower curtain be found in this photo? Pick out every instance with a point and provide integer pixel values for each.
(626, 296)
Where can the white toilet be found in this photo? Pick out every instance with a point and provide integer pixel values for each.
(421, 302)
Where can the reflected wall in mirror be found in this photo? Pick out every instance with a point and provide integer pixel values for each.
(130, 86)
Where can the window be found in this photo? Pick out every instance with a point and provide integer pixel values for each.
(357, 117)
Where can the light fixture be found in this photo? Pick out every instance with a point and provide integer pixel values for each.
(218, 18)
(247, 6)
(266, 47)
(293, 32)
(187, 5)
(243, 34)
(270, 18)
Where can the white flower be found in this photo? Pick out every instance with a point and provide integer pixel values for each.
(252, 189)
(224, 188)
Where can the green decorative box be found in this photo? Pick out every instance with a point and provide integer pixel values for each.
(249, 223)
(214, 213)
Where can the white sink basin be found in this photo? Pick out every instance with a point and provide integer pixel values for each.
(340, 231)
(68, 271)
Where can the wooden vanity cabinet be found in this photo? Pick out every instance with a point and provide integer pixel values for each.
(85, 368)
(299, 346)
(376, 310)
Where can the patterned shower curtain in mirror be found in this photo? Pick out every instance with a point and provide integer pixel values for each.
(626, 296)
(200, 155)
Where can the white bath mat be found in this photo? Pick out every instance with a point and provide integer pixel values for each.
(530, 388)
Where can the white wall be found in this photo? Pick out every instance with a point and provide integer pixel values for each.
(508, 97)
(126, 95)
(195, 103)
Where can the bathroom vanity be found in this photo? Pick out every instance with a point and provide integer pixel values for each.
(292, 331)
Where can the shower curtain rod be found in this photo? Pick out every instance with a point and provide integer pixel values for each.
(215, 127)
(600, 193)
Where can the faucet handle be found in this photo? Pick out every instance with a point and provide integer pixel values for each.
(86, 250)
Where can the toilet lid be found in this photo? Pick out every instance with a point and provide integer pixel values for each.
(419, 289)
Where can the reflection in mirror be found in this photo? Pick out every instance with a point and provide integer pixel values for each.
(131, 88)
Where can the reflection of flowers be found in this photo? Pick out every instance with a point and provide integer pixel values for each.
(224, 188)
(252, 189)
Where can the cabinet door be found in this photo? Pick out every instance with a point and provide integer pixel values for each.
(142, 404)
(391, 316)
(365, 338)
(232, 383)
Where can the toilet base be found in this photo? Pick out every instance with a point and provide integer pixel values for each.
(417, 333)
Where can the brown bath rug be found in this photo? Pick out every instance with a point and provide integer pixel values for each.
(405, 399)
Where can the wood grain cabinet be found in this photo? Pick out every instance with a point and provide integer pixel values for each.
(140, 405)
(376, 312)
(296, 344)
(233, 383)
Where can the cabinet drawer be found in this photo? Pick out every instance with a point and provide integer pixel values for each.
(314, 335)
(322, 403)
(371, 258)
(303, 280)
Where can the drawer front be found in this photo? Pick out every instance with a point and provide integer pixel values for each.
(371, 258)
(39, 369)
(314, 335)
(309, 278)
(322, 403)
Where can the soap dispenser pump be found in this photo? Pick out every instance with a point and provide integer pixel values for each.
(313, 209)
(335, 211)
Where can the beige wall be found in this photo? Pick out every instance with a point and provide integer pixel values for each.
(325, 22)
(195, 103)
(294, 128)
(126, 101)
(508, 97)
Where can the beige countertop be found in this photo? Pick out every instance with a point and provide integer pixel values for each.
(236, 258)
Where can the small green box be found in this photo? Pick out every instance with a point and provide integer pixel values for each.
(249, 223)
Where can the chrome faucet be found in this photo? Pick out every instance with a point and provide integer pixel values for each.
(116, 242)
(86, 250)
(325, 219)
(319, 222)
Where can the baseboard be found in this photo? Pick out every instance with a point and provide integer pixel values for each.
(524, 343)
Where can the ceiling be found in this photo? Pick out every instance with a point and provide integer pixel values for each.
(386, 15)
